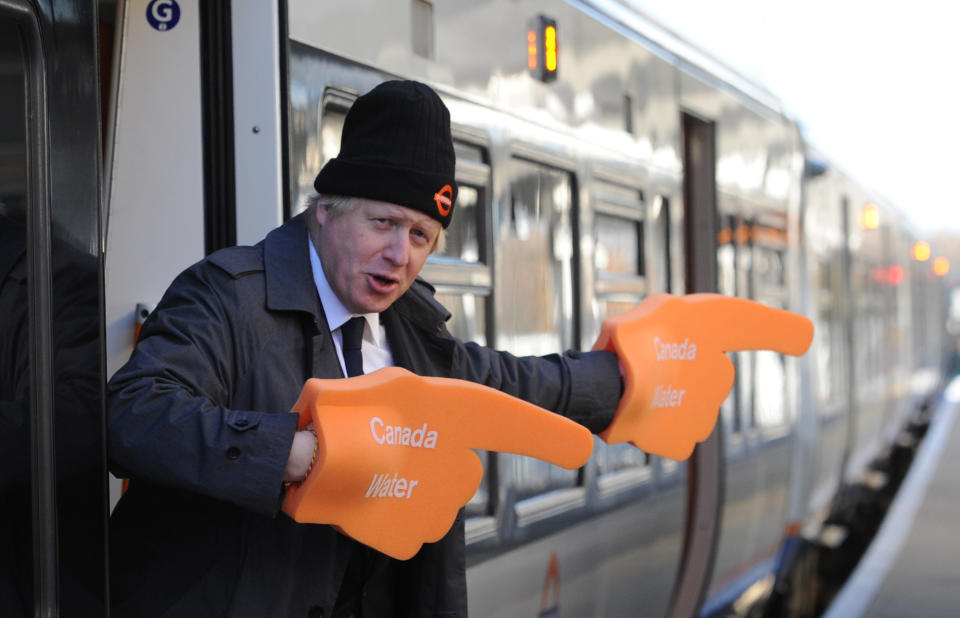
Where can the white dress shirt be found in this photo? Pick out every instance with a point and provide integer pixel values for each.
(375, 347)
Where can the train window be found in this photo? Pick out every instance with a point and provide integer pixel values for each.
(727, 285)
(16, 549)
(331, 126)
(468, 320)
(464, 238)
(742, 402)
(315, 127)
(770, 371)
(771, 394)
(751, 258)
(52, 505)
(535, 309)
(481, 505)
(534, 300)
(660, 270)
(620, 281)
(465, 151)
(460, 271)
(770, 271)
(619, 245)
(726, 257)
(619, 249)
(463, 281)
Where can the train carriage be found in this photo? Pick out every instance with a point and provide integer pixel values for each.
(601, 159)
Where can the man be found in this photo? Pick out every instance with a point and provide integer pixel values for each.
(198, 416)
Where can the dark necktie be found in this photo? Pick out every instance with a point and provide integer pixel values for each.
(362, 559)
(352, 332)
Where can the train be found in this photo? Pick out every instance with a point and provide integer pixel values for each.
(601, 159)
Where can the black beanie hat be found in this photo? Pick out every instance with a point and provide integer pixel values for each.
(396, 147)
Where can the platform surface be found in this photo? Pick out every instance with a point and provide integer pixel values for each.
(913, 566)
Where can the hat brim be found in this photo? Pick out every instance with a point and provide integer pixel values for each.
(411, 188)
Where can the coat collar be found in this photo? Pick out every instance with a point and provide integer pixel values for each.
(286, 261)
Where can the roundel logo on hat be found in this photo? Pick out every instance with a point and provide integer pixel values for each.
(444, 200)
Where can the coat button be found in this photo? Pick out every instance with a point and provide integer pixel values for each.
(241, 422)
(233, 453)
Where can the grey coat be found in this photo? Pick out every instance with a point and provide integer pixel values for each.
(198, 420)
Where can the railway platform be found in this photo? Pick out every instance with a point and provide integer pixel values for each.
(912, 567)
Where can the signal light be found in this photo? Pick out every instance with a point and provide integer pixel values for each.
(870, 217)
(921, 251)
(550, 49)
(531, 50)
(941, 266)
(895, 275)
(543, 48)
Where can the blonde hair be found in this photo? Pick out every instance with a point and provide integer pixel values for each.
(338, 205)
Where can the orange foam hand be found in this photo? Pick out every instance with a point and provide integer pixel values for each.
(676, 375)
(394, 462)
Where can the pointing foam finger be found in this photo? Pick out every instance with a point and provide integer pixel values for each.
(741, 324)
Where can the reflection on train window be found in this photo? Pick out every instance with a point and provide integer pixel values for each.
(13, 144)
(769, 267)
(468, 321)
(726, 258)
(726, 273)
(619, 245)
(745, 280)
(619, 257)
(480, 504)
(467, 232)
(770, 398)
(534, 299)
(468, 152)
(464, 240)
(529, 477)
(620, 281)
(610, 308)
(536, 245)
(744, 385)
(620, 456)
(314, 137)
(462, 278)
(727, 285)
(16, 555)
(660, 270)
(771, 394)
(331, 127)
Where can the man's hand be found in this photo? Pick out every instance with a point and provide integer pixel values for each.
(302, 452)
(675, 373)
(395, 464)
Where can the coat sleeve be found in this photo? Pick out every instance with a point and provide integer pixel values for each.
(169, 414)
(582, 386)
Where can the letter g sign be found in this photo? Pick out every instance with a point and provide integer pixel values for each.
(163, 15)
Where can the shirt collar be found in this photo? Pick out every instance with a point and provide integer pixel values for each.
(337, 314)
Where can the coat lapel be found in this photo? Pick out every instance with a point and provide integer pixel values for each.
(290, 287)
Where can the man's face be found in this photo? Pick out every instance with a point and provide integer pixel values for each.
(372, 253)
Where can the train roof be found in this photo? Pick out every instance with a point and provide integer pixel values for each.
(630, 20)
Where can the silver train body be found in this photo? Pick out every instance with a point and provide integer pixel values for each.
(645, 166)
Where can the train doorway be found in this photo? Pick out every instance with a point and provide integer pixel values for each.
(705, 467)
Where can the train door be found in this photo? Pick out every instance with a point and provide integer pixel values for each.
(52, 462)
(705, 467)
